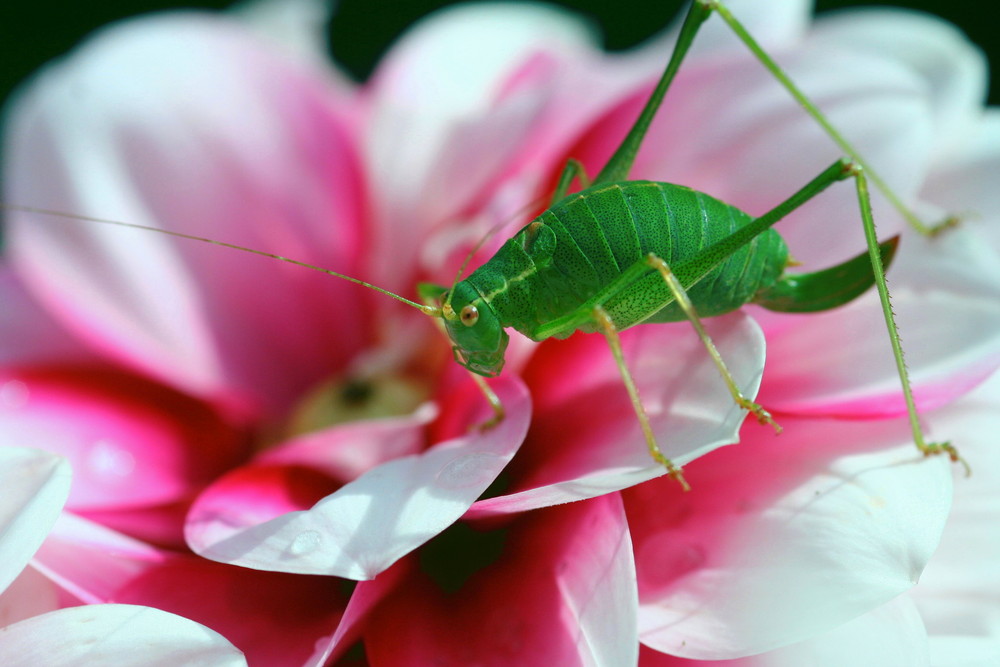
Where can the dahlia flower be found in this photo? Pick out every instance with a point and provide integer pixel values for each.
(295, 463)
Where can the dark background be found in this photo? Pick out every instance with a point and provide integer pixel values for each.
(32, 33)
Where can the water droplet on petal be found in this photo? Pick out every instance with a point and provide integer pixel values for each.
(305, 543)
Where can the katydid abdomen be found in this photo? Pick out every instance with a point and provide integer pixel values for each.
(563, 262)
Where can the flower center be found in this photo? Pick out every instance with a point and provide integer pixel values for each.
(352, 398)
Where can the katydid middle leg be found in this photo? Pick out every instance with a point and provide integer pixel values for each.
(684, 301)
(610, 331)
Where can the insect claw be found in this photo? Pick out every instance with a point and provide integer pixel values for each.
(934, 448)
(944, 225)
(762, 415)
(678, 475)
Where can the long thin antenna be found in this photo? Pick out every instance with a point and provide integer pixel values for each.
(427, 310)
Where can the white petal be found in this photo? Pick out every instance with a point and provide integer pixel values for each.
(781, 552)
(35, 486)
(368, 524)
(959, 593)
(598, 587)
(298, 25)
(892, 634)
(114, 634)
(953, 68)
(689, 407)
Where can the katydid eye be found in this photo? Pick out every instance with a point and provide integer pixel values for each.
(469, 315)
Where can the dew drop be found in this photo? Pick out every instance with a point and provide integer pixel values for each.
(305, 543)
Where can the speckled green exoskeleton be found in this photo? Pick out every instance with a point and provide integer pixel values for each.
(622, 252)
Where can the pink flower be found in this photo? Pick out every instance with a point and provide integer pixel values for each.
(318, 433)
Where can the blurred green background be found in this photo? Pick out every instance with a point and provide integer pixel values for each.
(32, 33)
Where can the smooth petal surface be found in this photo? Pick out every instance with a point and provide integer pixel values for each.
(30, 594)
(953, 69)
(755, 154)
(433, 154)
(91, 562)
(191, 123)
(959, 594)
(116, 634)
(29, 334)
(35, 485)
(586, 439)
(371, 522)
(966, 183)
(301, 472)
(892, 634)
(561, 594)
(944, 293)
(131, 442)
(823, 523)
(276, 619)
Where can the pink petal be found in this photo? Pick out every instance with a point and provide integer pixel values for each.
(123, 635)
(113, 132)
(586, 440)
(562, 593)
(276, 619)
(346, 451)
(132, 443)
(90, 562)
(816, 526)
(35, 485)
(756, 153)
(300, 473)
(28, 334)
(30, 594)
(348, 533)
(365, 600)
(440, 151)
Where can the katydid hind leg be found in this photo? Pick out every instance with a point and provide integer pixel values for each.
(607, 327)
(868, 221)
(684, 301)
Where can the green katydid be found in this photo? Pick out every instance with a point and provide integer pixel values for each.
(623, 252)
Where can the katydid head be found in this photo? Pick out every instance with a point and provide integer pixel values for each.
(479, 340)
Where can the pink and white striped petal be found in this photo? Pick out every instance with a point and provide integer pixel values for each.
(823, 523)
(944, 294)
(114, 634)
(191, 123)
(586, 440)
(371, 522)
